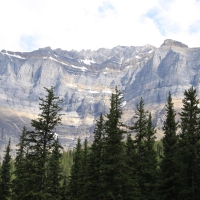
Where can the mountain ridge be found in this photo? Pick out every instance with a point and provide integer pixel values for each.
(85, 80)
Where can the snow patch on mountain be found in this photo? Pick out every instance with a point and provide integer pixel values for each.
(16, 56)
(87, 61)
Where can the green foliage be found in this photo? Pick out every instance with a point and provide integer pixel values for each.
(146, 165)
(64, 191)
(5, 175)
(168, 165)
(21, 171)
(132, 184)
(75, 179)
(41, 143)
(188, 154)
(113, 168)
(84, 173)
(66, 162)
(95, 160)
(54, 173)
(37, 166)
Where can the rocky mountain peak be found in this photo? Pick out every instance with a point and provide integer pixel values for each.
(46, 48)
(85, 80)
(170, 42)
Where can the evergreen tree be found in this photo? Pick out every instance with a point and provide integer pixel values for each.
(41, 144)
(95, 160)
(189, 148)
(146, 164)
(131, 186)
(113, 158)
(21, 173)
(168, 180)
(140, 129)
(66, 162)
(54, 173)
(64, 192)
(75, 179)
(150, 172)
(5, 175)
(84, 173)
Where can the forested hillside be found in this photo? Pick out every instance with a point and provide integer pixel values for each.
(122, 162)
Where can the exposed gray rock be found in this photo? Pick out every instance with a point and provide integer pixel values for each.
(170, 42)
(85, 81)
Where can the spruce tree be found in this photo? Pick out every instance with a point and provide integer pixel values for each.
(20, 184)
(131, 186)
(139, 129)
(64, 192)
(75, 179)
(54, 173)
(189, 147)
(168, 166)
(84, 173)
(113, 158)
(41, 144)
(146, 164)
(95, 160)
(5, 175)
(151, 170)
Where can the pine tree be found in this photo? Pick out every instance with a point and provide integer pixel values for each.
(75, 179)
(140, 128)
(54, 173)
(95, 160)
(84, 173)
(22, 173)
(41, 143)
(146, 164)
(64, 192)
(5, 175)
(168, 166)
(113, 158)
(151, 172)
(189, 147)
(131, 186)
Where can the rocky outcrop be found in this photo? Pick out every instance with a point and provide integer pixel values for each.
(85, 81)
(170, 42)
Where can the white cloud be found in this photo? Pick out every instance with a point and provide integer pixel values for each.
(89, 24)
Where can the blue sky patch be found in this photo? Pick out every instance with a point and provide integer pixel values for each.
(194, 28)
(106, 6)
(28, 42)
(153, 14)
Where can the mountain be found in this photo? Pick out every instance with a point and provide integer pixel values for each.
(85, 81)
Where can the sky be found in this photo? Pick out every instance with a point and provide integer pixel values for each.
(27, 25)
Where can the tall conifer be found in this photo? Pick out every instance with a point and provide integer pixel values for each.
(113, 161)
(5, 175)
(131, 186)
(151, 170)
(75, 179)
(168, 166)
(189, 147)
(21, 184)
(84, 173)
(95, 160)
(146, 164)
(54, 173)
(41, 143)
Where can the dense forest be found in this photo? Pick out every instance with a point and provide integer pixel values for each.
(122, 163)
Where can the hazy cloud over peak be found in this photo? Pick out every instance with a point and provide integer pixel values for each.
(89, 24)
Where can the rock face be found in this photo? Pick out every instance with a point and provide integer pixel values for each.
(170, 42)
(85, 81)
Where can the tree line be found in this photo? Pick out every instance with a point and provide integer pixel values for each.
(122, 162)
